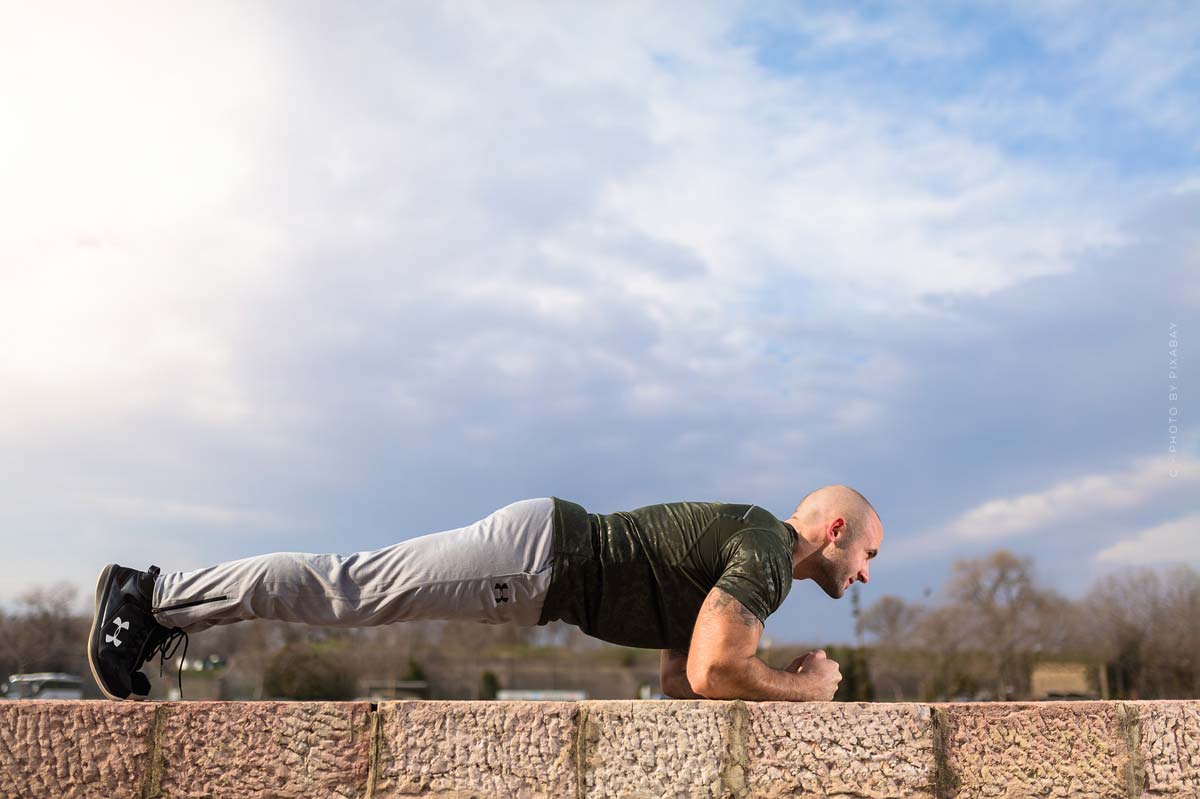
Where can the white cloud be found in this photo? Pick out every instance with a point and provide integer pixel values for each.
(1174, 541)
(906, 33)
(1010, 517)
(202, 515)
(195, 167)
(126, 143)
(1141, 59)
(1188, 185)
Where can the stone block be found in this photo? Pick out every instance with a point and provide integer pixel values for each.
(74, 749)
(1017, 749)
(838, 749)
(256, 750)
(459, 750)
(647, 750)
(1169, 747)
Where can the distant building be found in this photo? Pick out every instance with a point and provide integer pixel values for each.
(386, 690)
(544, 694)
(1062, 680)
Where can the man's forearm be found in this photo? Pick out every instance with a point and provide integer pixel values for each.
(750, 678)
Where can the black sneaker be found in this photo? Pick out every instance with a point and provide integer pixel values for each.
(125, 633)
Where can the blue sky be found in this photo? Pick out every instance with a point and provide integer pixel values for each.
(317, 279)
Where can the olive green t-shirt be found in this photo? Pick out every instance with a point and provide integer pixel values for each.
(638, 578)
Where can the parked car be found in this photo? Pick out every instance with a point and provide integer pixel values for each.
(42, 685)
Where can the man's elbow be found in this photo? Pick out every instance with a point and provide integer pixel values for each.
(713, 681)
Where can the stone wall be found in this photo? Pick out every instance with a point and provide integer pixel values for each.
(599, 749)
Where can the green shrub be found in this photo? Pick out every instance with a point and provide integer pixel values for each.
(489, 684)
(308, 670)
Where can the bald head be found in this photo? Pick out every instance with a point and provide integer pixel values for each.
(838, 533)
(834, 501)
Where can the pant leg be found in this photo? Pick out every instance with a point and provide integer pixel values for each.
(494, 571)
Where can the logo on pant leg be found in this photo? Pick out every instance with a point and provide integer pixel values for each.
(501, 590)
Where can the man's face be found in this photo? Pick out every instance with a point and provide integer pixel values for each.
(846, 562)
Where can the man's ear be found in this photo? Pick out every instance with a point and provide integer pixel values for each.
(836, 528)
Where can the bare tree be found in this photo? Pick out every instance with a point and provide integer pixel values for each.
(890, 621)
(1005, 610)
(1147, 625)
(44, 635)
(1177, 632)
(945, 635)
(896, 667)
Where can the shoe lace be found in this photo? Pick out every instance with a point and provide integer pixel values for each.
(161, 645)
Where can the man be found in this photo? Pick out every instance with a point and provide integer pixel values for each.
(695, 579)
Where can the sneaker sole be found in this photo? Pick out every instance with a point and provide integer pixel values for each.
(101, 583)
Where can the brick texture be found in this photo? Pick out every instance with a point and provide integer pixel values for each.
(74, 749)
(838, 749)
(695, 749)
(653, 749)
(477, 749)
(1169, 747)
(1034, 749)
(264, 749)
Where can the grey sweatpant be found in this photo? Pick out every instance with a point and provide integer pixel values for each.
(494, 571)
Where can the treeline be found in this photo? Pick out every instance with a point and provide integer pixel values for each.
(1140, 629)
(44, 633)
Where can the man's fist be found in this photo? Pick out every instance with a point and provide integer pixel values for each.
(826, 674)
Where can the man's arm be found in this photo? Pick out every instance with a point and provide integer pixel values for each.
(672, 675)
(722, 663)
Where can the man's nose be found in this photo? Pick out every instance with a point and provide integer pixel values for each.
(864, 575)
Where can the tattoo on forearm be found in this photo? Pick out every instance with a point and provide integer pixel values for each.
(722, 600)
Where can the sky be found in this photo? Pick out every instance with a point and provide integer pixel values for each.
(320, 278)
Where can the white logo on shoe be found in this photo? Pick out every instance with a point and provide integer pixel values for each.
(120, 625)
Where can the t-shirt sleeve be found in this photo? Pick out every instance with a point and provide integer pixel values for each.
(758, 572)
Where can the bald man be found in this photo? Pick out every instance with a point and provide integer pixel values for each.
(694, 579)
